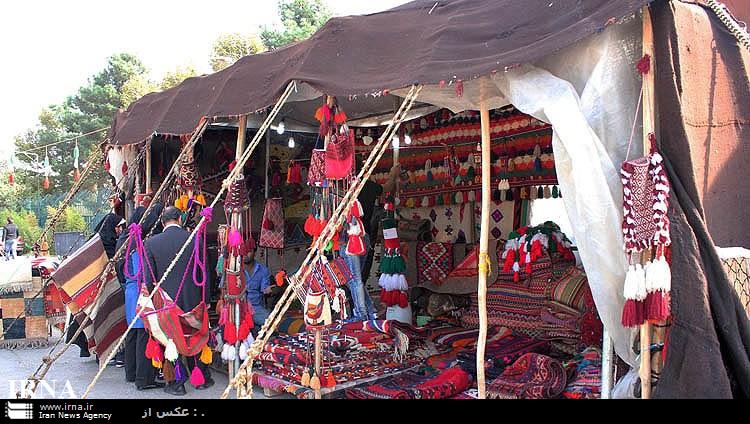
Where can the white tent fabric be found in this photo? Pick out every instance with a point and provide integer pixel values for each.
(588, 92)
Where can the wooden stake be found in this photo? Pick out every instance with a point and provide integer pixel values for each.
(484, 114)
(648, 128)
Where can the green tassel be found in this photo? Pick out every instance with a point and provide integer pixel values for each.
(439, 200)
(386, 264)
(399, 265)
(555, 192)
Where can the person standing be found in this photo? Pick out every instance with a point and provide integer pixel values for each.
(138, 368)
(161, 250)
(258, 280)
(11, 234)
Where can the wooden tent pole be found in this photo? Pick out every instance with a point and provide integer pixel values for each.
(648, 128)
(239, 150)
(484, 114)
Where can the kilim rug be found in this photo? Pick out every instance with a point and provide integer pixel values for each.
(434, 262)
(532, 376)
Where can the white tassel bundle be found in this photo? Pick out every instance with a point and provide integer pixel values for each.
(659, 276)
(170, 352)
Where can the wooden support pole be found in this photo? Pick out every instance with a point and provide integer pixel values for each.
(648, 128)
(484, 115)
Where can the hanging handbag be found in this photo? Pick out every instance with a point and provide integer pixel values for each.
(316, 175)
(340, 154)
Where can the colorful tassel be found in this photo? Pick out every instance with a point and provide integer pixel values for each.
(170, 353)
(168, 371)
(178, 372)
(45, 183)
(207, 355)
(280, 277)
(196, 377)
(315, 382)
(305, 381)
(230, 333)
(540, 193)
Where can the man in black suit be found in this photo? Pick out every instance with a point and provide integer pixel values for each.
(161, 250)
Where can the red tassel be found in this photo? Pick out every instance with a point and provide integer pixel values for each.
(528, 268)
(403, 299)
(76, 175)
(107, 166)
(280, 277)
(45, 183)
(124, 168)
(244, 328)
(11, 179)
(230, 333)
(657, 306)
(632, 313)
(509, 259)
(516, 277)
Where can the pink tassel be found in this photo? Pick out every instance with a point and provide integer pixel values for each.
(196, 377)
(235, 238)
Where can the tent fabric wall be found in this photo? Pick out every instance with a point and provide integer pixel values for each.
(419, 42)
(701, 92)
(568, 94)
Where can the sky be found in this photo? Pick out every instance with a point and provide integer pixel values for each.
(50, 48)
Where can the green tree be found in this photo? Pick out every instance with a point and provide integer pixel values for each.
(176, 76)
(136, 87)
(91, 108)
(70, 220)
(229, 48)
(299, 20)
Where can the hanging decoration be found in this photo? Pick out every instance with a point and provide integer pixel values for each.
(11, 168)
(645, 230)
(272, 226)
(527, 244)
(172, 331)
(189, 197)
(47, 169)
(76, 156)
(238, 240)
(393, 285)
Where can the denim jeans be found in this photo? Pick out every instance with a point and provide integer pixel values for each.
(10, 251)
(363, 309)
(260, 315)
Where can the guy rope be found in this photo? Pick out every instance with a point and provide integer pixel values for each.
(225, 185)
(243, 380)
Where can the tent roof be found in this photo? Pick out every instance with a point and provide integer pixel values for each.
(424, 41)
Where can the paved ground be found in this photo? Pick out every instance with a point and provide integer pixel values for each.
(20, 363)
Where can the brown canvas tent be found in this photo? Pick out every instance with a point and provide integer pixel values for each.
(449, 44)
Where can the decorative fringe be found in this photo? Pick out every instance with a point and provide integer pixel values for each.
(632, 313)
(305, 378)
(196, 377)
(168, 371)
(179, 375)
(315, 382)
(207, 355)
(243, 351)
(170, 353)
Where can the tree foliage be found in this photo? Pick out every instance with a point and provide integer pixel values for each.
(229, 48)
(176, 76)
(299, 20)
